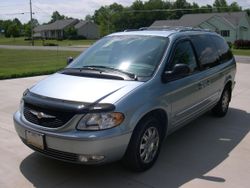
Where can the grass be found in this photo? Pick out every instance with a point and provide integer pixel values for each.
(21, 42)
(23, 63)
(241, 52)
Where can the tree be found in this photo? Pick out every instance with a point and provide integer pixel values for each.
(13, 30)
(221, 5)
(56, 16)
(234, 7)
(88, 18)
(143, 13)
(195, 8)
(70, 33)
(155, 15)
(17, 22)
(27, 27)
(206, 9)
(6, 25)
(1, 27)
(27, 30)
(247, 11)
(181, 4)
(103, 17)
(35, 22)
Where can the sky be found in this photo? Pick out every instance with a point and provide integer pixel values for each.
(73, 8)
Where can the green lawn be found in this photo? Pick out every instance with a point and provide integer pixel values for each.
(21, 41)
(241, 52)
(22, 63)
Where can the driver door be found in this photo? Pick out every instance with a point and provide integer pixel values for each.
(183, 93)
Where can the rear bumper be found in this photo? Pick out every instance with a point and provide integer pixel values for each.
(64, 147)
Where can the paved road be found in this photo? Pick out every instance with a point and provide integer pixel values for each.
(242, 59)
(209, 152)
(55, 48)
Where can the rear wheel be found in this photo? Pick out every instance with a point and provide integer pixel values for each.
(220, 110)
(144, 146)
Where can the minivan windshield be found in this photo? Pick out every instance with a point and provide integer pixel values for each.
(136, 55)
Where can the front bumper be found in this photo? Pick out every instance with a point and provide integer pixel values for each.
(69, 147)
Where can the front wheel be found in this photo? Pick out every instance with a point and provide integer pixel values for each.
(144, 146)
(220, 110)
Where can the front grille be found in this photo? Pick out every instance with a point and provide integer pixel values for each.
(60, 119)
(61, 155)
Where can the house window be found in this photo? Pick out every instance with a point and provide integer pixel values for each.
(225, 33)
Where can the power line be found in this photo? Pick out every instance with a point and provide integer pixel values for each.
(173, 10)
(16, 13)
(45, 12)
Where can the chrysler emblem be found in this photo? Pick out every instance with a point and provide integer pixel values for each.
(41, 115)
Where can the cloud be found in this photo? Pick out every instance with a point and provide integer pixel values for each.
(44, 8)
(73, 8)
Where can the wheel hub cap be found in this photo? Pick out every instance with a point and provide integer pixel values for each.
(149, 144)
(225, 101)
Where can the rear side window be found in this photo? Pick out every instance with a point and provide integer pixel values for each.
(223, 49)
(207, 51)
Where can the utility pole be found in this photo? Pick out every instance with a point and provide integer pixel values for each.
(31, 24)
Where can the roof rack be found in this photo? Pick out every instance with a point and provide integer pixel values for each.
(178, 28)
(140, 29)
(167, 28)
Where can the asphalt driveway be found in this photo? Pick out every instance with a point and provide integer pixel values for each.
(209, 152)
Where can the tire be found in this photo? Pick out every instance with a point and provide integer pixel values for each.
(144, 145)
(221, 108)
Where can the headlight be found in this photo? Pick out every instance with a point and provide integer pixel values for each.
(99, 121)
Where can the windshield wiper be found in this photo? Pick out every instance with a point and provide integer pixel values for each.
(94, 74)
(99, 67)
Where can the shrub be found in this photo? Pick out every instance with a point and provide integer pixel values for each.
(50, 44)
(242, 44)
(230, 44)
(76, 38)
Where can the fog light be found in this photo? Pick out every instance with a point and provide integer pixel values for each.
(83, 158)
(90, 158)
(97, 157)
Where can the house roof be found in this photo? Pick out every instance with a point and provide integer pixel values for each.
(80, 24)
(193, 20)
(57, 25)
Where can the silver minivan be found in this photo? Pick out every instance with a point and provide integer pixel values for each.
(121, 97)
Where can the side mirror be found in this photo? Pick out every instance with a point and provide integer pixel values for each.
(179, 71)
(69, 60)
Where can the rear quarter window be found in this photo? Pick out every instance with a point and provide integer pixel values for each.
(207, 51)
(224, 51)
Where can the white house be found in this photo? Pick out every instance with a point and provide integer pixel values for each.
(231, 25)
(56, 30)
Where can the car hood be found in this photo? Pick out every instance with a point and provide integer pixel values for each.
(83, 89)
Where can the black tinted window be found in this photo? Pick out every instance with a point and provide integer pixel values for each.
(223, 49)
(206, 50)
(184, 55)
